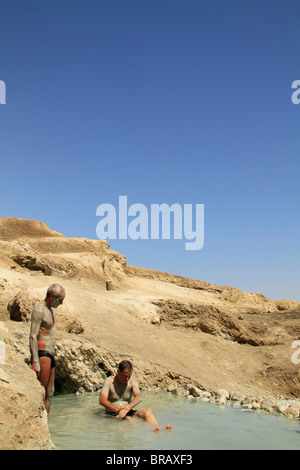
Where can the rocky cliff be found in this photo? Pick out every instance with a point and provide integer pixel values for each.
(176, 331)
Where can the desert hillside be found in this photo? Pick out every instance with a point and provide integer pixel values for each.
(177, 331)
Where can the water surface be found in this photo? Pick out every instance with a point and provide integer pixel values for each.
(78, 422)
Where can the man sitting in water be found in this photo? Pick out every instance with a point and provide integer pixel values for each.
(123, 387)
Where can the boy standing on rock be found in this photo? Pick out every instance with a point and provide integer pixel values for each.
(42, 340)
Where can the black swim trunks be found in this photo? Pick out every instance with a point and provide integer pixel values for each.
(115, 413)
(43, 353)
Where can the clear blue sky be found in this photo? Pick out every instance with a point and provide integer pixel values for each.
(165, 101)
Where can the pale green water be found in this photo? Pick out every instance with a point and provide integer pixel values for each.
(78, 422)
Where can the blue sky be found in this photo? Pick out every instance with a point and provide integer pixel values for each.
(169, 101)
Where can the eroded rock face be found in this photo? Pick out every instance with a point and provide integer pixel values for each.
(83, 366)
(32, 263)
(253, 328)
(21, 306)
(80, 365)
(23, 418)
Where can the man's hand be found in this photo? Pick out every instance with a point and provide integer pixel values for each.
(123, 411)
(122, 414)
(36, 367)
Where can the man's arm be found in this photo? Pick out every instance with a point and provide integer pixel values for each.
(136, 393)
(36, 320)
(103, 399)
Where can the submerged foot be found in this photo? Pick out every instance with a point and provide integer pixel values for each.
(168, 427)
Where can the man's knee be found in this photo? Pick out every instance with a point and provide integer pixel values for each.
(143, 413)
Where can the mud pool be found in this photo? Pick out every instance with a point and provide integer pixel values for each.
(78, 422)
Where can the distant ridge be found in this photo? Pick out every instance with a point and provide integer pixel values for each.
(13, 229)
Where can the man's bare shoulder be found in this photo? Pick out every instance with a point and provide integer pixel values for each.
(133, 382)
(39, 310)
(107, 383)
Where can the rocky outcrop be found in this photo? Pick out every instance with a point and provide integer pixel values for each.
(21, 306)
(261, 329)
(23, 418)
(81, 365)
